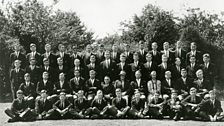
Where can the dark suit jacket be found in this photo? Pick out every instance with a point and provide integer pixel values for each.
(208, 107)
(175, 73)
(100, 57)
(170, 58)
(28, 90)
(71, 72)
(16, 78)
(35, 74)
(52, 59)
(189, 99)
(86, 58)
(99, 106)
(142, 88)
(161, 71)
(154, 102)
(210, 72)
(116, 58)
(146, 73)
(156, 59)
(66, 59)
(51, 73)
(18, 107)
(126, 68)
(78, 106)
(73, 57)
(41, 107)
(65, 88)
(48, 87)
(126, 88)
(204, 85)
(64, 70)
(77, 85)
(142, 57)
(89, 85)
(139, 106)
(182, 56)
(20, 57)
(191, 72)
(95, 68)
(198, 57)
(180, 85)
(120, 105)
(165, 87)
(134, 68)
(104, 71)
(59, 105)
(129, 57)
(108, 90)
(37, 57)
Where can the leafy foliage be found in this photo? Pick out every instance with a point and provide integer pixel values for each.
(33, 22)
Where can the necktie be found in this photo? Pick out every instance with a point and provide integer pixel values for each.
(192, 65)
(17, 54)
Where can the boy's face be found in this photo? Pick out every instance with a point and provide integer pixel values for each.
(92, 75)
(60, 62)
(137, 95)
(44, 95)
(200, 75)
(164, 59)
(20, 96)
(118, 93)
(149, 58)
(136, 58)
(62, 48)
(62, 97)
(156, 95)
(212, 95)
(76, 73)
(47, 48)
(193, 92)
(80, 94)
(192, 59)
(154, 46)
(77, 62)
(62, 77)
(92, 59)
(17, 47)
(193, 47)
(122, 59)
(107, 80)
(100, 95)
(137, 75)
(153, 75)
(167, 75)
(33, 48)
(107, 55)
(178, 62)
(17, 64)
(206, 59)
(27, 78)
(184, 73)
(46, 63)
(45, 76)
(174, 95)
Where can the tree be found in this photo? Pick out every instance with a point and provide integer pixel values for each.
(154, 24)
(33, 22)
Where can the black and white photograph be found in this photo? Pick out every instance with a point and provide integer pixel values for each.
(111, 62)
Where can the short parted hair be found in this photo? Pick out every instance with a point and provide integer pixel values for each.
(199, 71)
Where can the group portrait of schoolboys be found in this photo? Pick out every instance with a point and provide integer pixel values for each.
(98, 83)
